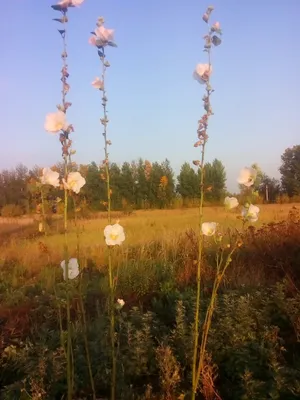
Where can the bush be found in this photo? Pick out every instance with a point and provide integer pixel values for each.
(12, 210)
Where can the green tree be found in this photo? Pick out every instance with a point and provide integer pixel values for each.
(215, 180)
(127, 185)
(188, 183)
(143, 184)
(290, 171)
(269, 189)
(95, 188)
(115, 180)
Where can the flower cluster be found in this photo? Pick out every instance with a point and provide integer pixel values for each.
(101, 36)
(56, 122)
(202, 74)
(74, 181)
(249, 211)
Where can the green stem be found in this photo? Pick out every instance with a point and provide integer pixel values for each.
(199, 262)
(195, 377)
(86, 344)
(66, 248)
(110, 267)
(43, 211)
(69, 339)
(82, 311)
(210, 310)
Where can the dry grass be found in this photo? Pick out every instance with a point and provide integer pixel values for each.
(143, 228)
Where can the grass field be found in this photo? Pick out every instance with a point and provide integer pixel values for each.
(142, 228)
(253, 348)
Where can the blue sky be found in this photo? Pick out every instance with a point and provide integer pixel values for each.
(154, 104)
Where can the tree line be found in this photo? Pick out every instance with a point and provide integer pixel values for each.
(142, 184)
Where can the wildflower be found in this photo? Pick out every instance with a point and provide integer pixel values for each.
(75, 181)
(120, 304)
(73, 268)
(250, 213)
(114, 234)
(70, 3)
(55, 122)
(202, 73)
(102, 36)
(209, 228)
(98, 84)
(231, 202)
(216, 26)
(50, 177)
(247, 176)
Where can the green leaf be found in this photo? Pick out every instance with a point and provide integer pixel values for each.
(58, 7)
(216, 40)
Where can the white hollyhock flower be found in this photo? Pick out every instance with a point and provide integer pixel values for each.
(250, 213)
(114, 235)
(77, 3)
(74, 182)
(202, 73)
(73, 268)
(209, 228)
(231, 202)
(50, 177)
(105, 35)
(247, 176)
(121, 303)
(98, 84)
(69, 3)
(102, 36)
(56, 122)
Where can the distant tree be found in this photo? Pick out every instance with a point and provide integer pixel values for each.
(269, 189)
(143, 184)
(115, 180)
(188, 183)
(127, 186)
(13, 187)
(168, 173)
(215, 181)
(290, 171)
(95, 187)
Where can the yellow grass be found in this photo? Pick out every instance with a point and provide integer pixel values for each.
(142, 228)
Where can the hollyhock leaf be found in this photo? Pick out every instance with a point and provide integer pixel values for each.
(58, 7)
(216, 40)
(61, 31)
(100, 53)
(112, 44)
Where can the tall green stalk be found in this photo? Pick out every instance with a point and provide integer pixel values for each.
(110, 267)
(199, 264)
(198, 354)
(82, 310)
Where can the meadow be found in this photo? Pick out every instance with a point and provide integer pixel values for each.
(142, 229)
(156, 301)
(253, 347)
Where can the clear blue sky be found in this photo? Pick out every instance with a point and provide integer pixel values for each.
(154, 103)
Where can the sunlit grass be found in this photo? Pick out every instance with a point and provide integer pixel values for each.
(142, 228)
